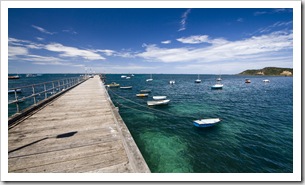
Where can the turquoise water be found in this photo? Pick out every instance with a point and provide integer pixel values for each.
(254, 136)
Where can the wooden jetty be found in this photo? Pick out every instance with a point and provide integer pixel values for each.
(80, 131)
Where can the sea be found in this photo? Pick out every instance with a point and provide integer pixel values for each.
(254, 136)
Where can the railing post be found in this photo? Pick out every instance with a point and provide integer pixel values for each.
(34, 94)
(16, 99)
(58, 86)
(53, 87)
(45, 91)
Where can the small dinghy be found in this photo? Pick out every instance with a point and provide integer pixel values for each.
(126, 87)
(159, 97)
(142, 95)
(113, 84)
(206, 122)
(158, 102)
(217, 86)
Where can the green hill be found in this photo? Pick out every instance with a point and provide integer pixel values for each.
(270, 71)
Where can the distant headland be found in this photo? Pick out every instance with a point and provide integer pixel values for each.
(269, 71)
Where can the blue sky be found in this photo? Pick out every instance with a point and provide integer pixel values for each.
(166, 40)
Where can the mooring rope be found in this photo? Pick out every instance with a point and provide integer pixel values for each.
(160, 111)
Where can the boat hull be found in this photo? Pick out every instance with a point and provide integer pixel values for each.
(128, 87)
(217, 86)
(159, 97)
(142, 95)
(206, 122)
(158, 102)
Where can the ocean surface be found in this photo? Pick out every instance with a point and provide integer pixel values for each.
(254, 136)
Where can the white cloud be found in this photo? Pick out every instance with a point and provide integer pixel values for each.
(15, 51)
(42, 30)
(166, 42)
(67, 51)
(39, 38)
(222, 50)
(196, 39)
(107, 52)
(183, 20)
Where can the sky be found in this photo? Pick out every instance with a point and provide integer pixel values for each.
(149, 40)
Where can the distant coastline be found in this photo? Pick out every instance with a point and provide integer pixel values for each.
(269, 71)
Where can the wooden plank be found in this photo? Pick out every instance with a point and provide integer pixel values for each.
(78, 132)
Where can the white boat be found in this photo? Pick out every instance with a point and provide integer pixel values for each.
(150, 79)
(126, 87)
(142, 95)
(127, 77)
(172, 82)
(113, 84)
(247, 81)
(158, 102)
(206, 122)
(13, 91)
(198, 80)
(217, 86)
(159, 97)
(266, 81)
(123, 76)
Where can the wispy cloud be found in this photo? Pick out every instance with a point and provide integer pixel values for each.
(273, 27)
(42, 30)
(273, 11)
(265, 46)
(196, 39)
(67, 51)
(71, 31)
(240, 20)
(166, 42)
(183, 20)
(39, 38)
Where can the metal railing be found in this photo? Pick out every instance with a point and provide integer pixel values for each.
(41, 91)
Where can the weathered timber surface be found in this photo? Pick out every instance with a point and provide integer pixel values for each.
(79, 132)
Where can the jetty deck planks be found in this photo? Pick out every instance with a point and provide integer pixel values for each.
(81, 131)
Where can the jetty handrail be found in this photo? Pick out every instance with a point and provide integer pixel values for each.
(48, 89)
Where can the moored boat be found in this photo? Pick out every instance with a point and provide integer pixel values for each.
(113, 84)
(126, 87)
(198, 80)
(142, 95)
(172, 82)
(159, 97)
(15, 77)
(123, 76)
(247, 81)
(266, 81)
(150, 79)
(206, 122)
(217, 86)
(158, 102)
